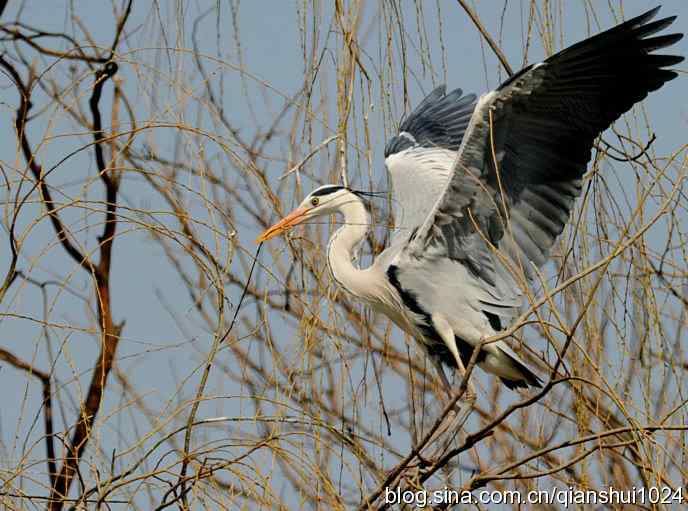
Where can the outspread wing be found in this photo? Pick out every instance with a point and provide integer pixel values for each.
(421, 157)
(440, 120)
(523, 156)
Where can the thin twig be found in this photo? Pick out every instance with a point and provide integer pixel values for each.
(495, 48)
(204, 379)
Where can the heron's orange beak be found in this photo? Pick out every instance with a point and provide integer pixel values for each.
(294, 218)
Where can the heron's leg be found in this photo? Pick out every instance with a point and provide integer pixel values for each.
(429, 452)
(446, 332)
(443, 377)
(456, 417)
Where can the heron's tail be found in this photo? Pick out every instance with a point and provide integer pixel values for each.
(513, 373)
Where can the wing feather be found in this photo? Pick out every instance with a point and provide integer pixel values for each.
(541, 124)
(438, 122)
(421, 157)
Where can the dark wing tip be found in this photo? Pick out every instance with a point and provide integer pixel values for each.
(435, 95)
(521, 384)
(440, 90)
(440, 120)
(641, 19)
(662, 41)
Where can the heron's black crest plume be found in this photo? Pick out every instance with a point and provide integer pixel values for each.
(362, 193)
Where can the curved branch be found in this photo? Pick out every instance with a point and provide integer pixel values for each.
(110, 330)
(15, 361)
(37, 170)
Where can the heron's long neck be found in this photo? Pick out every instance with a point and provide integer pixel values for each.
(342, 250)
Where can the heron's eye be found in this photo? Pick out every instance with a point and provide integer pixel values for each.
(315, 201)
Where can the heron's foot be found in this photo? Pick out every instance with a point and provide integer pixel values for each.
(468, 399)
(490, 339)
(461, 410)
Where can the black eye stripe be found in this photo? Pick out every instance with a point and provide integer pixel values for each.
(326, 190)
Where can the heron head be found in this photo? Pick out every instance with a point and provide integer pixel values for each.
(324, 200)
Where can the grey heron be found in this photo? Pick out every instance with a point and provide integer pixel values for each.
(483, 187)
